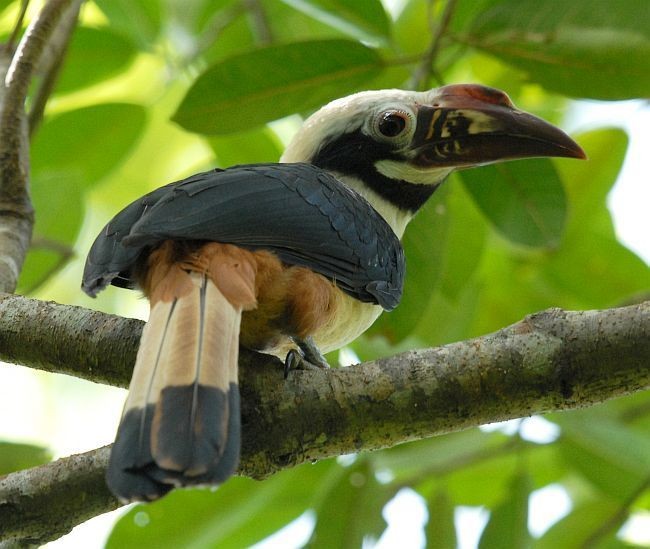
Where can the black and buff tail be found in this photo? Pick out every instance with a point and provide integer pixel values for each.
(181, 421)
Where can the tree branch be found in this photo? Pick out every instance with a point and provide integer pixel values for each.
(16, 72)
(553, 360)
(51, 62)
(422, 74)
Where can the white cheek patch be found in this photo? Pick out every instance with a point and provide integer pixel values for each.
(394, 169)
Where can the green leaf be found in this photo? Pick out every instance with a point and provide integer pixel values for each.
(590, 50)
(589, 270)
(440, 530)
(613, 456)
(248, 90)
(139, 21)
(70, 153)
(15, 457)
(94, 55)
(578, 527)
(258, 145)
(424, 245)
(454, 305)
(58, 201)
(592, 269)
(474, 467)
(524, 200)
(508, 524)
(589, 183)
(363, 19)
(89, 142)
(238, 514)
(444, 245)
(351, 509)
(438, 456)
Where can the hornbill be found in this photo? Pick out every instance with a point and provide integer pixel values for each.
(291, 259)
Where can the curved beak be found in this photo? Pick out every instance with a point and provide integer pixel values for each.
(469, 125)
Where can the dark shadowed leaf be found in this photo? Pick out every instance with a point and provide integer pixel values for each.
(14, 457)
(524, 200)
(238, 514)
(508, 524)
(364, 19)
(588, 50)
(350, 508)
(95, 54)
(248, 90)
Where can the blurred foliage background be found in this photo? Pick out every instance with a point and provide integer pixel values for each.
(154, 90)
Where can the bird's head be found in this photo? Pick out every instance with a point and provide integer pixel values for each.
(397, 146)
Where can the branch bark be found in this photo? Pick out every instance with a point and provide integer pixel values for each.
(553, 360)
(16, 72)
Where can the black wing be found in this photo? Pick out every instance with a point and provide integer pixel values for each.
(302, 213)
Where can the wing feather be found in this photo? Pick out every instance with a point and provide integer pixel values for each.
(302, 213)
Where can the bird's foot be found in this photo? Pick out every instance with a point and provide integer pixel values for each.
(306, 357)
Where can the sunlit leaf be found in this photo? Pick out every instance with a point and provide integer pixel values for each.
(258, 145)
(95, 54)
(248, 90)
(59, 202)
(72, 152)
(360, 19)
(238, 514)
(590, 50)
(588, 183)
(350, 509)
(14, 457)
(592, 268)
(140, 21)
(88, 142)
(525, 200)
(508, 524)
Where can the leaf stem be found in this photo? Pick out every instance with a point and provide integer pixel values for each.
(11, 42)
(422, 74)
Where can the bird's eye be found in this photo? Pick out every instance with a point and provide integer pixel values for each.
(392, 123)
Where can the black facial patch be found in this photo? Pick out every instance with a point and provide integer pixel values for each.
(356, 153)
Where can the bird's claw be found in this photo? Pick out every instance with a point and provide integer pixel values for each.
(305, 357)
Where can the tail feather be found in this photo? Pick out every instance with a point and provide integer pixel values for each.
(181, 423)
(191, 419)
